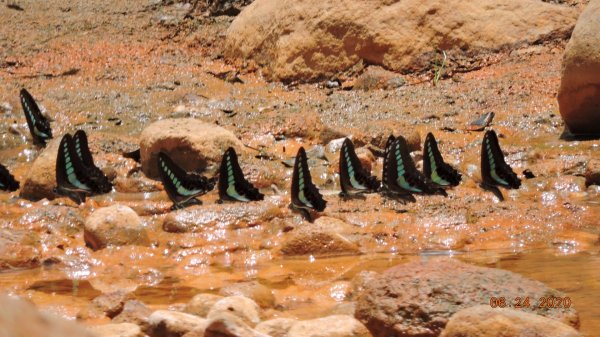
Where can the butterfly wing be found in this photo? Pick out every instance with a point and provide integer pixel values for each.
(304, 193)
(7, 180)
(98, 180)
(38, 125)
(434, 167)
(494, 169)
(385, 179)
(232, 184)
(180, 186)
(353, 177)
(70, 173)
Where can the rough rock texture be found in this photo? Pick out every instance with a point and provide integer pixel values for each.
(330, 326)
(200, 304)
(52, 219)
(41, 178)
(277, 327)
(262, 295)
(484, 321)
(418, 298)
(240, 306)
(19, 318)
(327, 236)
(226, 324)
(165, 323)
(134, 312)
(579, 93)
(304, 40)
(109, 305)
(117, 330)
(230, 215)
(114, 225)
(592, 172)
(191, 143)
(19, 249)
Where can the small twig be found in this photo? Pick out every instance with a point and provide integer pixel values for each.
(440, 70)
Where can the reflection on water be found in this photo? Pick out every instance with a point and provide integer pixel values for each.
(308, 287)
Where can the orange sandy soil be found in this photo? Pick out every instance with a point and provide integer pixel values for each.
(118, 60)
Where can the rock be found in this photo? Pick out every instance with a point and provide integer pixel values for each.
(241, 306)
(325, 237)
(19, 249)
(260, 294)
(226, 324)
(52, 219)
(314, 39)
(378, 78)
(41, 178)
(134, 312)
(117, 330)
(165, 323)
(109, 305)
(484, 321)
(366, 158)
(579, 92)
(418, 298)
(200, 304)
(226, 7)
(277, 327)
(344, 308)
(229, 215)
(592, 172)
(377, 133)
(114, 225)
(19, 318)
(191, 143)
(330, 326)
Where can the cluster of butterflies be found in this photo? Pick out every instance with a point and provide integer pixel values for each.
(78, 177)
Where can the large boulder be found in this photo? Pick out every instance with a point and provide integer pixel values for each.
(418, 298)
(304, 40)
(19, 318)
(116, 225)
(579, 93)
(191, 143)
(484, 321)
(41, 178)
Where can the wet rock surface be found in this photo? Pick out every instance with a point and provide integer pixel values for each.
(164, 323)
(314, 39)
(19, 249)
(243, 307)
(114, 225)
(579, 93)
(255, 291)
(117, 330)
(41, 178)
(230, 325)
(330, 326)
(418, 298)
(483, 321)
(200, 304)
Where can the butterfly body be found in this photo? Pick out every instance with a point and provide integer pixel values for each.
(354, 179)
(401, 176)
(71, 179)
(7, 180)
(304, 194)
(434, 167)
(182, 187)
(232, 184)
(98, 180)
(38, 125)
(494, 169)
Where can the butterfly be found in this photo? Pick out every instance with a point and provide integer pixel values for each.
(97, 179)
(434, 167)
(494, 169)
(71, 178)
(354, 179)
(7, 181)
(135, 155)
(39, 126)
(401, 176)
(182, 187)
(232, 184)
(304, 194)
